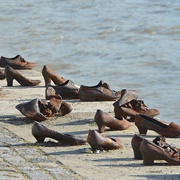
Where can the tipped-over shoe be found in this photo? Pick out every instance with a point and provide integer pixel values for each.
(49, 75)
(41, 110)
(104, 119)
(12, 74)
(2, 74)
(40, 132)
(136, 143)
(17, 62)
(145, 123)
(129, 106)
(99, 142)
(67, 90)
(151, 151)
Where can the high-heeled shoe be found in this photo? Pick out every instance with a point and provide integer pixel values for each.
(99, 142)
(17, 62)
(151, 152)
(129, 106)
(67, 90)
(104, 119)
(145, 123)
(40, 132)
(49, 75)
(12, 74)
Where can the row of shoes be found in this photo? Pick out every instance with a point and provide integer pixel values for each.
(127, 108)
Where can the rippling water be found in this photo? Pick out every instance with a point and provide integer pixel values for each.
(131, 44)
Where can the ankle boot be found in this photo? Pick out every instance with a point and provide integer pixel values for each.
(151, 152)
(12, 74)
(99, 142)
(49, 75)
(145, 123)
(104, 119)
(40, 132)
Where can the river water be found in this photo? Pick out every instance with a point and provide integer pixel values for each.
(131, 44)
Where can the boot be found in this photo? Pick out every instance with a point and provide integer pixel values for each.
(99, 142)
(104, 119)
(145, 123)
(12, 74)
(150, 152)
(40, 132)
(49, 75)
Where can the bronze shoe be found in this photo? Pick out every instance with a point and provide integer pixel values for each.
(99, 92)
(40, 132)
(104, 119)
(99, 142)
(150, 152)
(41, 110)
(67, 90)
(12, 74)
(145, 123)
(49, 75)
(17, 62)
(129, 106)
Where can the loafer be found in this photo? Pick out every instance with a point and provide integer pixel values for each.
(17, 62)
(151, 152)
(103, 119)
(145, 123)
(99, 92)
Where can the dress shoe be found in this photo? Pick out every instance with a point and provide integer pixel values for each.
(49, 75)
(40, 132)
(12, 74)
(129, 106)
(17, 62)
(99, 142)
(99, 92)
(136, 143)
(145, 123)
(2, 74)
(150, 152)
(67, 90)
(104, 119)
(41, 110)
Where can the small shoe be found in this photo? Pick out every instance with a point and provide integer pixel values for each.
(145, 123)
(40, 132)
(41, 110)
(17, 62)
(129, 106)
(12, 74)
(99, 92)
(49, 75)
(67, 90)
(104, 119)
(99, 142)
(151, 151)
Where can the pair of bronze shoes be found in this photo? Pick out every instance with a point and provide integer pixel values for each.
(158, 149)
(145, 123)
(128, 106)
(17, 62)
(41, 110)
(99, 142)
(40, 132)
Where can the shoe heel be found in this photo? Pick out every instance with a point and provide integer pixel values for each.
(39, 139)
(147, 159)
(142, 130)
(137, 153)
(9, 81)
(47, 82)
